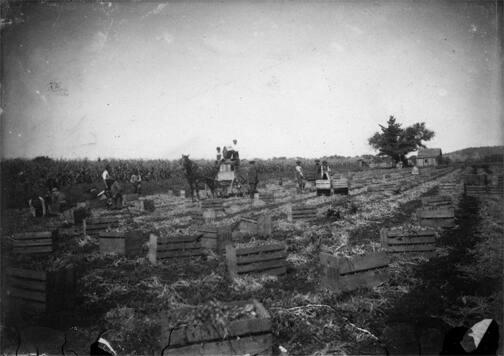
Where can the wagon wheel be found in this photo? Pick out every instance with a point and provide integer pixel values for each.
(241, 186)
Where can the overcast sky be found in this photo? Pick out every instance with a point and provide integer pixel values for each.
(297, 78)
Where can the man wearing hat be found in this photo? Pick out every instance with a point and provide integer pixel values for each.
(318, 169)
(325, 171)
(58, 201)
(253, 178)
(300, 176)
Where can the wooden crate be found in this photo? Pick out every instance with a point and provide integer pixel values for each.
(260, 226)
(40, 291)
(214, 204)
(408, 241)
(342, 274)
(144, 205)
(33, 242)
(251, 336)
(196, 216)
(340, 186)
(323, 184)
(127, 244)
(437, 217)
(93, 226)
(479, 191)
(80, 213)
(268, 198)
(128, 199)
(449, 188)
(437, 201)
(215, 237)
(302, 212)
(265, 259)
(166, 248)
(475, 179)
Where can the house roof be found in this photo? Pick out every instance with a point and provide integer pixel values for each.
(429, 152)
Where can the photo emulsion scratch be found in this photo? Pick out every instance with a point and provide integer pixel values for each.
(251, 177)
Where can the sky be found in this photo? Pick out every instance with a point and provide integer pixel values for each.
(285, 78)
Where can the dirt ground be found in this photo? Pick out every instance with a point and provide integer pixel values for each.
(408, 314)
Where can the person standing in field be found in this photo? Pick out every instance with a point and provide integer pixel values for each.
(136, 181)
(300, 176)
(107, 181)
(325, 171)
(253, 179)
(58, 201)
(218, 156)
(318, 169)
(236, 154)
(115, 195)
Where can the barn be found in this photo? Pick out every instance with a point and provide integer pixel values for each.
(428, 157)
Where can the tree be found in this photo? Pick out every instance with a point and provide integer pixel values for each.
(396, 142)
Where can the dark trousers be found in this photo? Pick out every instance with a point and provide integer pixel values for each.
(252, 189)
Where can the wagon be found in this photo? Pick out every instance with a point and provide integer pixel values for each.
(229, 182)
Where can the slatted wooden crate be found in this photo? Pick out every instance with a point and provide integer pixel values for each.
(93, 226)
(129, 243)
(40, 291)
(144, 205)
(33, 242)
(196, 216)
(265, 259)
(214, 204)
(248, 336)
(340, 185)
(449, 188)
(260, 226)
(342, 274)
(302, 212)
(166, 248)
(215, 237)
(408, 241)
(79, 214)
(477, 191)
(128, 199)
(438, 217)
(475, 179)
(268, 198)
(437, 201)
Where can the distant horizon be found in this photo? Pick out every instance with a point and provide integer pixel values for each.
(246, 159)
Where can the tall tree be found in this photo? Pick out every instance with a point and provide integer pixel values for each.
(395, 141)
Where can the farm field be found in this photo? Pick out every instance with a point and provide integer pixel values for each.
(386, 269)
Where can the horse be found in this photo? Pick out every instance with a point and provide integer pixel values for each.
(196, 175)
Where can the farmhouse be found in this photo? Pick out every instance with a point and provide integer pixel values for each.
(428, 157)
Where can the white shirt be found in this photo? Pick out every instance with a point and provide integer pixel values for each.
(105, 175)
(299, 170)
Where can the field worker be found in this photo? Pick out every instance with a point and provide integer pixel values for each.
(325, 172)
(300, 176)
(218, 156)
(106, 177)
(58, 201)
(318, 169)
(236, 154)
(230, 152)
(415, 171)
(253, 179)
(115, 200)
(136, 181)
(224, 152)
